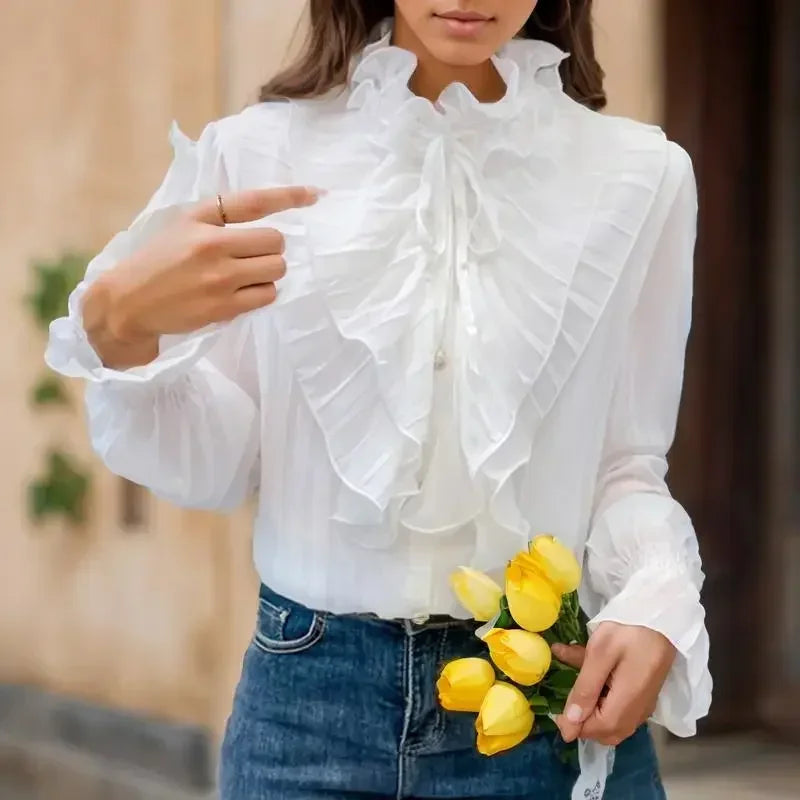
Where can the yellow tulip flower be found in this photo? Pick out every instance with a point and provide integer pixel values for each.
(477, 592)
(505, 719)
(525, 657)
(533, 601)
(557, 562)
(464, 683)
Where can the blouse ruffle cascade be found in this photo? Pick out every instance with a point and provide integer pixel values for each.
(504, 205)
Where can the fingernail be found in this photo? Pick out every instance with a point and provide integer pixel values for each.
(316, 192)
(574, 713)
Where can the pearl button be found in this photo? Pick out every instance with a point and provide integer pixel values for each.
(440, 360)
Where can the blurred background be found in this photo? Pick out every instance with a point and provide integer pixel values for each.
(123, 620)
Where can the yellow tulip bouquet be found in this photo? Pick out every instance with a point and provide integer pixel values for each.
(520, 685)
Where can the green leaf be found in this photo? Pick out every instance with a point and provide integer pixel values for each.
(38, 500)
(550, 637)
(539, 704)
(545, 725)
(557, 704)
(53, 283)
(562, 678)
(49, 391)
(505, 621)
(62, 490)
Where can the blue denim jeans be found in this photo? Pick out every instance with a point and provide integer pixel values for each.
(344, 707)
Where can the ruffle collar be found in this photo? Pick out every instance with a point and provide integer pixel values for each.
(380, 76)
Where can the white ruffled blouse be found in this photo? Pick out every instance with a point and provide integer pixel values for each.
(480, 338)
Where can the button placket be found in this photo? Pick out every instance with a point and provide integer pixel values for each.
(457, 268)
(418, 591)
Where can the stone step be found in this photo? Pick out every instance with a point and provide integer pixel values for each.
(59, 748)
(34, 771)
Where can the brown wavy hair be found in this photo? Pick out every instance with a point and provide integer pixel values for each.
(340, 28)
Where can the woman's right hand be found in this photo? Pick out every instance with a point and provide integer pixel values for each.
(195, 272)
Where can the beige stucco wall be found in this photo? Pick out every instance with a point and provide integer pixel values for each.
(89, 91)
(629, 48)
(154, 620)
(258, 36)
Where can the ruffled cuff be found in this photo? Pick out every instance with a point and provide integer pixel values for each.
(643, 559)
(669, 604)
(70, 353)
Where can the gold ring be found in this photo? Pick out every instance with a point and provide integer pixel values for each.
(221, 208)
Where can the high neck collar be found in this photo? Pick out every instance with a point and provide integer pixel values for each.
(382, 72)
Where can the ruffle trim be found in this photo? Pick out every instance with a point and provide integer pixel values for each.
(380, 78)
(619, 205)
(361, 310)
(69, 351)
(642, 549)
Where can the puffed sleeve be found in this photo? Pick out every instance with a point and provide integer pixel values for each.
(186, 424)
(642, 552)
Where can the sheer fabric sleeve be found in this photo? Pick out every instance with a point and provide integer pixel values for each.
(186, 424)
(642, 552)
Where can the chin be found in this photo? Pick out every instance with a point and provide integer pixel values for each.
(460, 53)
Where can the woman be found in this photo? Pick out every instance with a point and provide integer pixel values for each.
(457, 318)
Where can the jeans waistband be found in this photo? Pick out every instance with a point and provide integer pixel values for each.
(432, 621)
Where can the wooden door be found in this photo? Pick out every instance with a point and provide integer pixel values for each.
(780, 693)
(718, 71)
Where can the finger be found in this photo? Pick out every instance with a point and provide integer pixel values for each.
(254, 204)
(606, 727)
(250, 242)
(571, 654)
(252, 297)
(598, 665)
(622, 710)
(258, 270)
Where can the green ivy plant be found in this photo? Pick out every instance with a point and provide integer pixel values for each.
(63, 487)
(54, 282)
(61, 490)
(49, 391)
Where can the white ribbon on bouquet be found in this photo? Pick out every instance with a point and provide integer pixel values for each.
(596, 762)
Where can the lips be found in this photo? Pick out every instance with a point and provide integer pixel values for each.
(464, 24)
(464, 16)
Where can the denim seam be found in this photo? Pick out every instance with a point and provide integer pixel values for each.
(408, 691)
(436, 734)
(439, 730)
(271, 608)
(282, 647)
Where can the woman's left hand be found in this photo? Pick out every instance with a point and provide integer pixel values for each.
(632, 663)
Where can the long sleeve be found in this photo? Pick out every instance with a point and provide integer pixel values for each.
(643, 556)
(185, 425)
